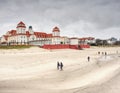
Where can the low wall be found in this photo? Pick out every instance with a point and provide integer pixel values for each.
(85, 46)
(66, 46)
(58, 46)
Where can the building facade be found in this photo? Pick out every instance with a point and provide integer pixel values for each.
(21, 36)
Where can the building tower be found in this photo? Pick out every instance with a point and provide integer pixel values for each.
(56, 32)
(21, 28)
(30, 30)
(56, 35)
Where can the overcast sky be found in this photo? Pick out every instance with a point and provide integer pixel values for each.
(75, 18)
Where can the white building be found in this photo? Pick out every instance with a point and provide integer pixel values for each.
(86, 40)
(22, 37)
(74, 41)
(112, 41)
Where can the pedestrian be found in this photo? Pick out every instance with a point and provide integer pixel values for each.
(61, 66)
(105, 53)
(58, 65)
(88, 58)
(99, 52)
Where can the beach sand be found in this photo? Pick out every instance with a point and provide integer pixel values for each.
(34, 70)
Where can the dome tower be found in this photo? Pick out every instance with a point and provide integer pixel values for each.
(30, 30)
(56, 32)
(21, 28)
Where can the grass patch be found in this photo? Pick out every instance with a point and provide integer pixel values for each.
(15, 47)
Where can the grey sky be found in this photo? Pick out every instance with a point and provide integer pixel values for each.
(82, 18)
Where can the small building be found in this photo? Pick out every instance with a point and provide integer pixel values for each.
(87, 40)
(112, 41)
(74, 41)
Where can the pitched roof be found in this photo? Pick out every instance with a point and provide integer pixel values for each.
(6, 37)
(56, 29)
(40, 34)
(21, 24)
(87, 38)
(48, 35)
(12, 32)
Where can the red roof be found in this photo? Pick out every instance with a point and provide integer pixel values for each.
(37, 34)
(48, 35)
(6, 37)
(91, 38)
(21, 24)
(56, 29)
(40, 34)
(74, 38)
(86, 38)
(12, 32)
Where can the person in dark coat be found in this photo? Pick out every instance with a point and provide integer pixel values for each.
(99, 53)
(61, 66)
(105, 53)
(88, 58)
(58, 65)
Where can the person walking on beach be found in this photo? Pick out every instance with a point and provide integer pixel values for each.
(105, 53)
(58, 65)
(61, 66)
(88, 58)
(99, 52)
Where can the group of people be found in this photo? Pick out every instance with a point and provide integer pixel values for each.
(59, 65)
(103, 53)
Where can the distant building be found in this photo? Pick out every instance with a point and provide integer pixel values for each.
(87, 40)
(74, 41)
(112, 41)
(21, 36)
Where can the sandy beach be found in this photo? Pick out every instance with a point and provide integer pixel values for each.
(34, 70)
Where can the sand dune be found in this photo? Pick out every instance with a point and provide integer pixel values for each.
(34, 70)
